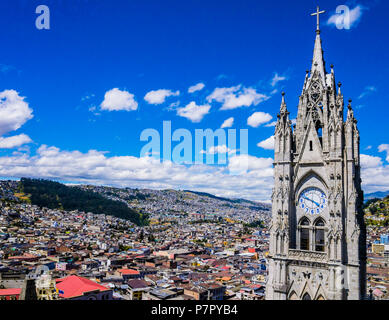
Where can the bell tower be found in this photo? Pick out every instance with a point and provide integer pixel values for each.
(317, 233)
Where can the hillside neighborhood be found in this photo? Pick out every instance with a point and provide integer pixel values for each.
(195, 247)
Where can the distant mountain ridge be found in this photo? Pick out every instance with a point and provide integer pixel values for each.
(378, 194)
(238, 200)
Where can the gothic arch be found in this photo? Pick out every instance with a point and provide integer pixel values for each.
(304, 233)
(306, 289)
(293, 296)
(320, 295)
(308, 175)
(306, 296)
(318, 220)
(303, 220)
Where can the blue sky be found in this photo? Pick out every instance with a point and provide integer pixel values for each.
(134, 47)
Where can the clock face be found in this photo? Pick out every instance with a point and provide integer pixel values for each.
(312, 200)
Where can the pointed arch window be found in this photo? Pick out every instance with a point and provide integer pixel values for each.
(307, 297)
(304, 234)
(319, 235)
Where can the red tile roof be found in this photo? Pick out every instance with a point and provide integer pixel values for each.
(26, 256)
(75, 286)
(128, 271)
(10, 292)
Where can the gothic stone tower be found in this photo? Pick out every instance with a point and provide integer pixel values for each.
(317, 233)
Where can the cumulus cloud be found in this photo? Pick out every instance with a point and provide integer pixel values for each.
(375, 174)
(116, 100)
(258, 118)
(277, 78)
(14, 111)
(96, 167)
(193, 112)
(368, 161)
(236, 97)
(228, 123)
(219, 149)
(245, 176)
(14, 141)
(247, 165)
(159, 96)
(267, 144)
(196, 87)
(346, 17)
(384, 147)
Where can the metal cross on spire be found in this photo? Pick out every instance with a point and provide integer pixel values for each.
(317, 14)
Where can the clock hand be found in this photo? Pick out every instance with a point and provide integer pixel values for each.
(311, 201)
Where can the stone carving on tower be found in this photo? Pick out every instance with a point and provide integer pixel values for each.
(317, 233)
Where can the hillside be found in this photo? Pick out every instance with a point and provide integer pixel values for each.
(253, 204)
(377, 212)
(54, 195)
(160, 204)
(137, 205)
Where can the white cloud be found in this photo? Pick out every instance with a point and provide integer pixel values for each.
(267, 144)
(277, 78)
(271, 124)
(95, 167)
(384, 147)
(228, 123)
(14, 141)
(116, 100)
(219, 149)
(340, 18)
(245, 176)
(14, 111)
(375, 175)
(236, 97)
(173, 106)
(159, 96)
(367, 91)
(368, 161)
(194, 112)
(196, 87)
(258, 118)
(249, 165)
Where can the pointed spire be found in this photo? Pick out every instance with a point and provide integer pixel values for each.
(283, 104)
(339, 85)
(318, 60)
